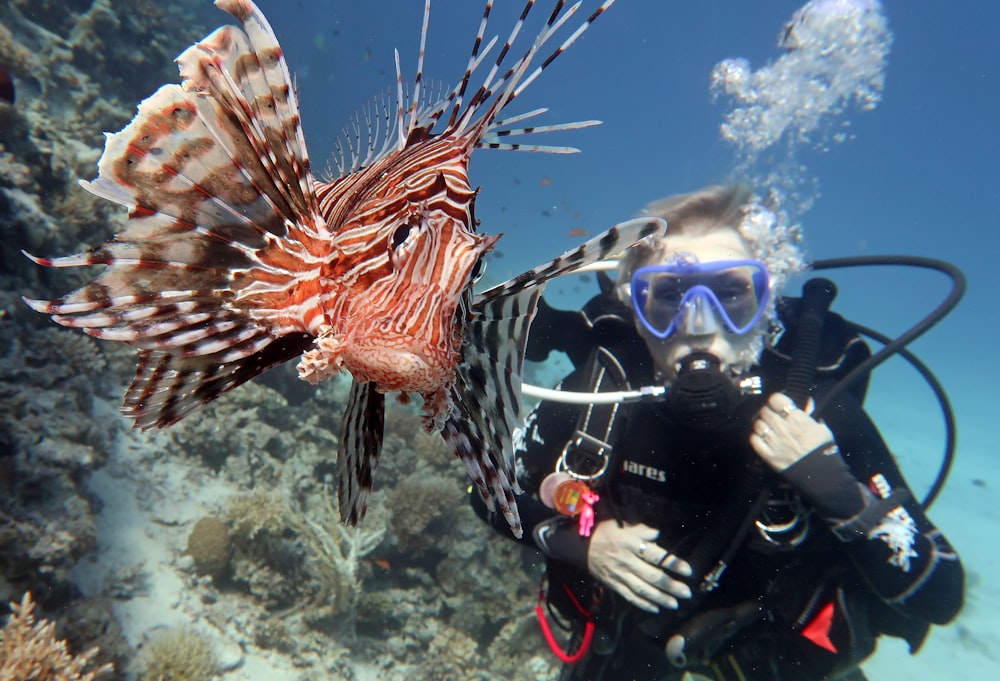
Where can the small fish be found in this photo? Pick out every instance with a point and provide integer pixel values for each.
(383, 563)
(235, 259)
(544, 182)
(368, 53)
(577, 232)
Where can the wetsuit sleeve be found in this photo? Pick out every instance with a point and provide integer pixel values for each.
(862, 495)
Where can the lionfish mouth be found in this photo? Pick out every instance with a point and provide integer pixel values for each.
(399, 363)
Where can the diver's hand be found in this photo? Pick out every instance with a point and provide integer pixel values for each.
(627, 559)
(804, 451)
(783, 433)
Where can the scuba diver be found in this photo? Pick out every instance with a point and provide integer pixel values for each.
(745, 519)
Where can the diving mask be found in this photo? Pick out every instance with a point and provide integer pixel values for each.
(733, 292)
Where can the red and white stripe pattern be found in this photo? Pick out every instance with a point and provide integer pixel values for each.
(235, 258)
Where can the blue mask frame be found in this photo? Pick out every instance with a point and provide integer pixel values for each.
(737, 290)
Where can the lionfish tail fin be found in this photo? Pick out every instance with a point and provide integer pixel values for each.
(222, 214)
(360, 447)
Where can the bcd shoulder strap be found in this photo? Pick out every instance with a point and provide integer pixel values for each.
(588, 452)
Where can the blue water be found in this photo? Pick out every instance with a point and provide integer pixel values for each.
(918, 177)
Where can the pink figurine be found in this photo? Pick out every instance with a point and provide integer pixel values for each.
(588, 499)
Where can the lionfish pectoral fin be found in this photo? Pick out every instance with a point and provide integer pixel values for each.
(166, 388)
(360, 446)
(487, 393)
(495, 485)
(222, 225)
(616, 239)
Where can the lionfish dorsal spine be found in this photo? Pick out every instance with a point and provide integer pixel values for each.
(418, 79)
(515, 80)
(475, 59)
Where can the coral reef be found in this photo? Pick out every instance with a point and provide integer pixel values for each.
(109, 523)
(30, 651)
(79, 70)
(271, 531)
(420, 505)
(53, 430)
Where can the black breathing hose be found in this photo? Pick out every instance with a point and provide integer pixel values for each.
(898, 346)
(817, 295)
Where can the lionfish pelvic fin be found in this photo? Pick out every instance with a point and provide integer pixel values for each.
(360, 447)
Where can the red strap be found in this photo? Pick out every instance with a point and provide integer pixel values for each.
(818, 631)
(568, 658)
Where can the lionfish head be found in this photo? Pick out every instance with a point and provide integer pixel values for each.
(417, 257)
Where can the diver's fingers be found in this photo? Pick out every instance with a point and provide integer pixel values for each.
(663, 582)
(675, 564)
(646, 596)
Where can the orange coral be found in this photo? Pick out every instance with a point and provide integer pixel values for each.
(29, 650)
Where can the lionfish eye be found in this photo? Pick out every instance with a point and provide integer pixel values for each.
(478, 270)
(399, 236)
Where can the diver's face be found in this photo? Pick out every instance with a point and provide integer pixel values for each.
(696, 331)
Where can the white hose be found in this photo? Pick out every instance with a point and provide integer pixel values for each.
(568, 397)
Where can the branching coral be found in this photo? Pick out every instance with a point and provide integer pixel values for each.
(30, 651)
(332, 550)
(336, 550)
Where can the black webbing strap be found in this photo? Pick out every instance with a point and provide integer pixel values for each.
(587, 454)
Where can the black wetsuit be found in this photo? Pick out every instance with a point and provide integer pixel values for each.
(770, 617)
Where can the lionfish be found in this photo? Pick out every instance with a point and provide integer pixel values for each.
(235, 259)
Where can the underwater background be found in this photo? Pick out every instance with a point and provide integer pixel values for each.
(215, 542)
